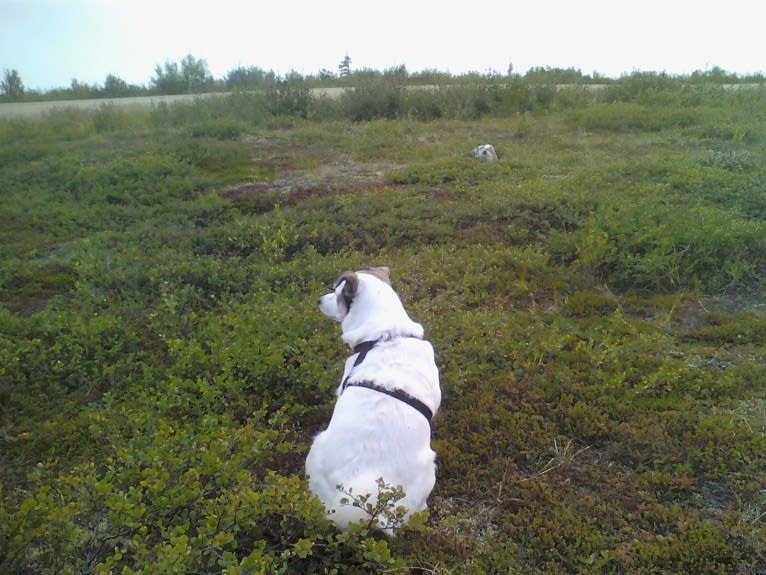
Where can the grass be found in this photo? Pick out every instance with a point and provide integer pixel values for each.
(594, 297)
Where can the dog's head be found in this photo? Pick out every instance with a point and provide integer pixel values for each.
(337, 304)
(367, 307)
(484, 152)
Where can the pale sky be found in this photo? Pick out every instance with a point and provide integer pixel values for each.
(50, 42)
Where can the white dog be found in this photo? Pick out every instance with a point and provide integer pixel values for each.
(485, 152)
(381, 426)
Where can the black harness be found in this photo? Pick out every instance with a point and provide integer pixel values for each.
(362, 349)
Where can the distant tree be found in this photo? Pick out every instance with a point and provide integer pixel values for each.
(196, 76)
(344, 68)
(549, 75)
(715, 75)
(325, 74)
(81, 90)
(289, 96)
(192, 77)
(115, 86)
(430, 76)
(167, 79)
(397, 73)
(12, 86)
(248, 78)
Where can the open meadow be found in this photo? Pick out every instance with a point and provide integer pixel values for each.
(595, 298)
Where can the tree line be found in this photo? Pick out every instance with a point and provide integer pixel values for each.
(189, 76)
(192, 76)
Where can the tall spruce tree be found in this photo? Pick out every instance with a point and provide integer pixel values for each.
(344, 68)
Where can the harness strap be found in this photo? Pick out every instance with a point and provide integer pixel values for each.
(362, 349)
(402, 396)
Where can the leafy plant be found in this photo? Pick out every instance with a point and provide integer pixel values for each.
(380, 507)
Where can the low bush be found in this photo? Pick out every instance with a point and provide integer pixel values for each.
(593, 297)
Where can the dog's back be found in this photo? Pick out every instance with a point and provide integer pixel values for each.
(380, 431)
(374, 436)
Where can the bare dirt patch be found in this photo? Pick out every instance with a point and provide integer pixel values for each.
(289, 185)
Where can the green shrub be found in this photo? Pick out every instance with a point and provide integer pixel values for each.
(180, 497)
(671, 246)
(625, 116)
(372, 99)
(164, 366)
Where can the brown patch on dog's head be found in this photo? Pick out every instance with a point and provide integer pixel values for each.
(349, 290)
(350, 285)
(382, 273)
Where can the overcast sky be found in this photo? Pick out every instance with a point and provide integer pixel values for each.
(50, 42)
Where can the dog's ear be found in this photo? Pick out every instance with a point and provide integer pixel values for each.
(349, 287)
(382, 273)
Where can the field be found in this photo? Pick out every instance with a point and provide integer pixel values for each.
(595, 298)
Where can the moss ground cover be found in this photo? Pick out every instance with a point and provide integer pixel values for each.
(595, 298)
